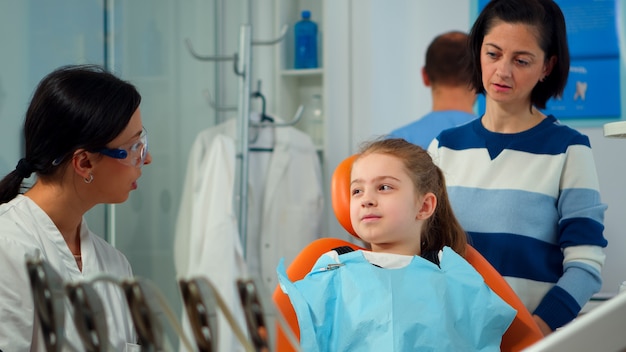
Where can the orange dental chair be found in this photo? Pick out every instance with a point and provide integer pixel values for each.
(522, 333)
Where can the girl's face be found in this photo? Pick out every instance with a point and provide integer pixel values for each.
(384, 208)
(114, 180)
(512, 63)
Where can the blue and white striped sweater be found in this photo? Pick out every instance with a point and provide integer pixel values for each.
(531, 205)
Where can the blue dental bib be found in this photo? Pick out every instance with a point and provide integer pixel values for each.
(353, 305)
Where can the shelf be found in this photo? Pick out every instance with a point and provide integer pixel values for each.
(296, 87)
(303, 72)
(615, 129)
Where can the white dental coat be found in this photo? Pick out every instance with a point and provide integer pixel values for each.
(284, 212)
(25, 229)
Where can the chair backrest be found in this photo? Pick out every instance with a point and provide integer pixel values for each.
(522, 333)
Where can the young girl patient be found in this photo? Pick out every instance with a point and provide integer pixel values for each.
(413, 290)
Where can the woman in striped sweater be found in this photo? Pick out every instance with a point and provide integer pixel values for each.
(522, 185)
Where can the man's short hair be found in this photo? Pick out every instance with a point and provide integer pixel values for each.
(446, 59)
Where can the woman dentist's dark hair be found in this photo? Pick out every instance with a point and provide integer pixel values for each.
(547, 18)
(74, 107)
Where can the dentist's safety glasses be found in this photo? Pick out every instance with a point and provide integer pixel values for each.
(132, 155)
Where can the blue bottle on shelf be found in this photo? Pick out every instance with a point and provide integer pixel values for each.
(305, 31)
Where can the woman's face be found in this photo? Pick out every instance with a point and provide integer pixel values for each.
(383, 205)
(512, 63)
(115, 178)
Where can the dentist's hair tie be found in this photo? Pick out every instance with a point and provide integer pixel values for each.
(24, 168)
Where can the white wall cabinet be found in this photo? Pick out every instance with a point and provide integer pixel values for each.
(332, 81)
(295, 87)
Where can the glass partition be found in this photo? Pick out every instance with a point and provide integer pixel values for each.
(142, 41)
(148, 44)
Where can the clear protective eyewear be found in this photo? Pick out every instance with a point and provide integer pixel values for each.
(135, 155)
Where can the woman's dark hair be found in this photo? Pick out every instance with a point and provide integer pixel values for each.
(442, 228)
(547, 18)
(74, 107)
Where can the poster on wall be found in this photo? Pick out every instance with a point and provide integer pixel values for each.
(593, 86)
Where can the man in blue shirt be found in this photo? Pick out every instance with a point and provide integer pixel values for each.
(446, 73)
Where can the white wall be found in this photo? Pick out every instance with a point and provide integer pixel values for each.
(611, 168)
(389, 44)
(13, 87)
(374, 78)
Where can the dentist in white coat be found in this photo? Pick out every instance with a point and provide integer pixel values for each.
(86, 144)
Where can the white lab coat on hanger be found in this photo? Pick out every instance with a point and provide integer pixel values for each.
(207, 241)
